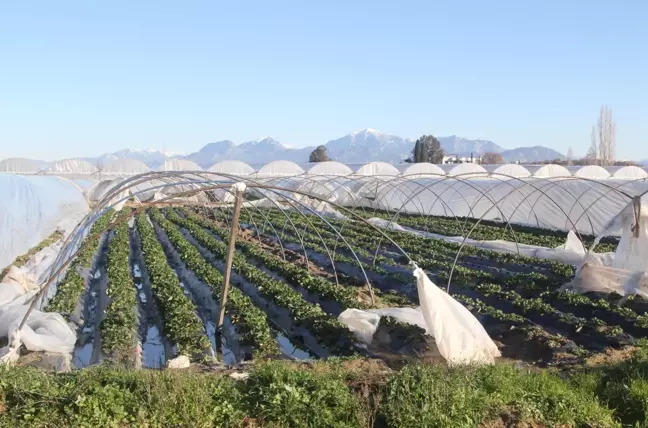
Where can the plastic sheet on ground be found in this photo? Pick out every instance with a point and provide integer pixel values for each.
(571, 252)
(459, 336)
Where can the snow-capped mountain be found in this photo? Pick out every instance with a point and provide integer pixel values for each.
(369, 145)
(259, 151)
(357, 147)
(212, 153)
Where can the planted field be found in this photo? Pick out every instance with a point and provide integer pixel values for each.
(148, 290)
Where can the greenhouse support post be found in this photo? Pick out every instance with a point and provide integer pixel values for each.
(238, 195)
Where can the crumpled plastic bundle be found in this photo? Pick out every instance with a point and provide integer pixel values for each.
(43, 331)
(459, 336)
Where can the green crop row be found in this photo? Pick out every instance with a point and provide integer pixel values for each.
(328, 330)
(296, 274)
(119, 325)
(250, 319)
(432, 254)
(69, 290)
(181, 324)
(485, 230)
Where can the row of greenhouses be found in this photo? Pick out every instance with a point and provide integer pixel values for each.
(37, 203)
(132, 167)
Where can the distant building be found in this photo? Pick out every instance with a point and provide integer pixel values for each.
(452, 158)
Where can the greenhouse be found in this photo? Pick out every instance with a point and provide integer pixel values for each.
(72, 167)
(231, 167)
(21, 166)
(124, 167)
(180, 165)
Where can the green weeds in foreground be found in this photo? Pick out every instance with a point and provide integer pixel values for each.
(336, 393)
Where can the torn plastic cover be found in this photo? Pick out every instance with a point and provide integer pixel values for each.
(625, 273)
(459, 336)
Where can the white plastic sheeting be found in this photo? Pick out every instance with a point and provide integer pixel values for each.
(561, 204)
(632, 252)
(626, 273)
(125, 167)
(180, 165)
(143, 192)
(464, 169)
(377, 169)
(42, 331)
(232, 167)
(571, 252)
(21, 166)
(593, 172)
(512, 170)
(422, 169)
(459, 336)
(31, 209)
(330, 168)
(280, 168)
(630, 172)
(100, 189)
(550, 170)
(72, 166)
(337, 190)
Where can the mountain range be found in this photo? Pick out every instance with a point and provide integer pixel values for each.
(358, 147)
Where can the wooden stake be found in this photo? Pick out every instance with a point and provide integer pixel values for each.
(228, 265)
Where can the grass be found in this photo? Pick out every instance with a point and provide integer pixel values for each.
(621, 386)
(335, 393)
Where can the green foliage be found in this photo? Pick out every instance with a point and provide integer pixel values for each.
(115, 398)
(325, 394)
(296, 274)
(427, 149)
(492, 158)
(327, 329)
(119, 326)
(181, 324)
(467, 396)
(249, 319)
(487, 230)
(286, 397)
(69, 290)
(622, 386)
(531, 293)
(319, 155)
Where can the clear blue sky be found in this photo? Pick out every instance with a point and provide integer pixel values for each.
(80, 78)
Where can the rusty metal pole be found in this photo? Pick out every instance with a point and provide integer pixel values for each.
(238, 195)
